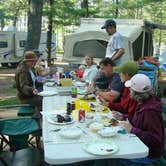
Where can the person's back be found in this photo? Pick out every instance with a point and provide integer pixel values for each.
(22, 77)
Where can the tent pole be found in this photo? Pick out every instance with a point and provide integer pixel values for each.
(143, 43)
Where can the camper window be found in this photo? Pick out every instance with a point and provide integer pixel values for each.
(3, 44)
(22, 43)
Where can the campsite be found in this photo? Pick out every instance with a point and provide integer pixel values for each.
(82, 83)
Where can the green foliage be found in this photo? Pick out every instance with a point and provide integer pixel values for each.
(9, 101)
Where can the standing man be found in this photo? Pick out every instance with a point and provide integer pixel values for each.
(115, 48)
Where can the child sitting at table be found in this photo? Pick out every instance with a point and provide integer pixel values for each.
(126, 106)
(40, 76)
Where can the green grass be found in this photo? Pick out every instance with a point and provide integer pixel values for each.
(9, 101)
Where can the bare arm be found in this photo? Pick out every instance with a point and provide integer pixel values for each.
(108, 96)
(120, 52)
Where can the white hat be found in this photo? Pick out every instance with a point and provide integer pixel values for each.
(139, 83)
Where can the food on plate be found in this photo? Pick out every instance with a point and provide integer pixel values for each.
(109, 122)
(94, 107)
(62, 119)
(96, 126)
(114, 122)
(87, 97)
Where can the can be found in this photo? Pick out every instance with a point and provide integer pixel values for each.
(68, 110)
(74, 92)
(81, 115)
(73, 105)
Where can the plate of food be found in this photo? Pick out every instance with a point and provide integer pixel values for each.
(100, 148)
(110, 122)
(98, 107)
(70, 133)
(60, 119)
(50, 84)
(47, 93)
(88, 97)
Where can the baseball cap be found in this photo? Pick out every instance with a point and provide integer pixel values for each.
(108, 23)
(139, 83)
(129, 67)
(30, 56)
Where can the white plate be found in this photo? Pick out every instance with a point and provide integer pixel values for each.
(50, 84)
(100, 148)
(107, 132)
(70, 133)
(52, 119)
(47, 93)
(79, 84)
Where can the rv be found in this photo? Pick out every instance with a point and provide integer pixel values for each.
(12, 47)
(91, 39)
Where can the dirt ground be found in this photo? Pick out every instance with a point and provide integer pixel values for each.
(7, 82)
(7, 90)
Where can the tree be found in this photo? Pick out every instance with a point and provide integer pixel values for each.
(49, 32)
(34, 24)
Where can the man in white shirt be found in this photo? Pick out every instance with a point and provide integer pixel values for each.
(115, 48)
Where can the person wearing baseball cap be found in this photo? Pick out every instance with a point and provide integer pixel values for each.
(147, 122)
(26, 83)
(115, 48)
(126, 106)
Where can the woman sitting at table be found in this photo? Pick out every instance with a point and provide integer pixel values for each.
(90, 70)
(146, 123)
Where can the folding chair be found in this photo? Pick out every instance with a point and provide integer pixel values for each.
(151, 71)
(16, 132)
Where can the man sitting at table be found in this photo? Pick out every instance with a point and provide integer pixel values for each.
(115, 86)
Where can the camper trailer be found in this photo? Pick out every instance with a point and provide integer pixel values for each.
(12, 47)
(91, 39)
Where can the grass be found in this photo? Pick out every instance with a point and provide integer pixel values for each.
(9, 101)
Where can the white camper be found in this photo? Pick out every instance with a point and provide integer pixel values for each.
(91, 39)
(12, 47)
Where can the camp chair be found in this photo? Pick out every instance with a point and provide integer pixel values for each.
(151, 71)
(17, 133)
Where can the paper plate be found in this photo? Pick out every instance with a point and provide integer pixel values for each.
(47, 93)
(100, 148)
(70, 133)
(107, 132)
(79, 84)
(50, 84)
(53, 120)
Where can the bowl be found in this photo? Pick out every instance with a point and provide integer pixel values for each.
(95, 126)
(107, 132)
(70, 133)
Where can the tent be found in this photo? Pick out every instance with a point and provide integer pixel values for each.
(91, 39)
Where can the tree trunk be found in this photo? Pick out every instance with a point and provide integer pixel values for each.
(49, 33)
(34, 24)
(84, 5)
